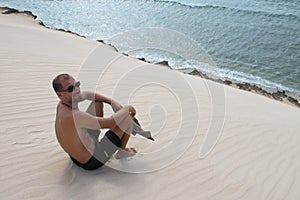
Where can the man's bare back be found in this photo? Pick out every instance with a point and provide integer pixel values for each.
(75, 142)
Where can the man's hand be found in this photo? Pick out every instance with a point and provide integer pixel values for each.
(132, 111)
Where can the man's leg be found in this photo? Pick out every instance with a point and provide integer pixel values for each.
(124, 137)
(96, 109)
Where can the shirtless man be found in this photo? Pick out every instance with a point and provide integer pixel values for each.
(77, 131)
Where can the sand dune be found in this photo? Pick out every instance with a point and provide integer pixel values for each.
(212, 141)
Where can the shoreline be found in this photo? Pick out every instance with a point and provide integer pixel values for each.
(278, 95)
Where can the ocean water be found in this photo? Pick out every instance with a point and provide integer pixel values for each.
(253, 41)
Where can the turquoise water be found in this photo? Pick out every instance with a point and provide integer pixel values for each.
(255, 41)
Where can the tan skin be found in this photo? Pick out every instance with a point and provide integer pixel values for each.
(71, 123)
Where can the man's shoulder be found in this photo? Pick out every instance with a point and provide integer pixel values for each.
(64, 113)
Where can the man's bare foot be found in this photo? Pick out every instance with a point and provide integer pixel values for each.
(125, 153)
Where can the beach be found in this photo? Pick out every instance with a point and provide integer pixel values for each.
(212, 141)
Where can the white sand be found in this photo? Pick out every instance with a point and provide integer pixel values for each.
(255, 139)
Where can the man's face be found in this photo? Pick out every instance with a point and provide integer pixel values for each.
(67, 95)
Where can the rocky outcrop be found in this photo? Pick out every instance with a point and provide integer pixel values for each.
(279, 95)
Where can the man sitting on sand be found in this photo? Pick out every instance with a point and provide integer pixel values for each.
(78, 131)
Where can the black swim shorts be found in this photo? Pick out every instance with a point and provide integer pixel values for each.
(104, 149)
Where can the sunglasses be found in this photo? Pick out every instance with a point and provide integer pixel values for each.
(71, 88)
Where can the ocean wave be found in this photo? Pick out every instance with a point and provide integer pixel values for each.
(261, 11)
(252, 79)
(212, 71)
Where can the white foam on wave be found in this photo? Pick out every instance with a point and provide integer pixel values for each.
(278, 8)
(179, 63)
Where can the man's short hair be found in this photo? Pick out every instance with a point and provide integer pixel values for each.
(56, 83)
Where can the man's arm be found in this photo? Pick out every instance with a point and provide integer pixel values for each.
(122, 119)
(98, 97)
(88, 121)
